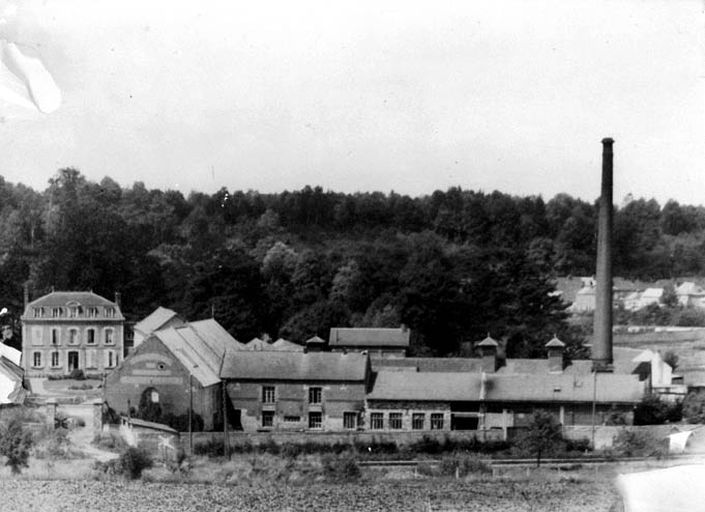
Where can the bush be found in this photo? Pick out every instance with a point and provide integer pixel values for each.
(694, 407)
(77, 375)
(55, 444)
(543, 435)
(639, 443)
(110, 441)
(133, 461)
(652, 410)
(15, 443)
(340, 468)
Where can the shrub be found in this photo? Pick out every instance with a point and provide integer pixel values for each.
(694, 407)
(211, 448)
(133, 461)
(15, 443)
(639, 443)
(543, 435)
(77, 375)
(110, 441)
(342, 468)
(652, 410)
(55, 444)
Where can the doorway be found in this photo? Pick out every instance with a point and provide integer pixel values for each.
(73, 360)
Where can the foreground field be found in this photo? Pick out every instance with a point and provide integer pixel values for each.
(20, 495)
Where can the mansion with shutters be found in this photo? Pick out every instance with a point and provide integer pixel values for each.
(67, 331)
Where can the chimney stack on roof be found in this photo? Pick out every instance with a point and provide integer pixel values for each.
(602, 329)
(117, 299)
(488, 349)
(556, 359)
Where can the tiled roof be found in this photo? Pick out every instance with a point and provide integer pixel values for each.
(440, 386)
(155, 320)
(368, 337)
(312, 366)
(287, 346)
(62, 298)
(200, 347)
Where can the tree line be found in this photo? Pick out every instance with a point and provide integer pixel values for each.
(453, 265)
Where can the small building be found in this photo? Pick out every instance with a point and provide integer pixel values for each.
(67, 331)
(173, 368)
(638, 300)
(160, 318)
(297, 391)
(381, 342)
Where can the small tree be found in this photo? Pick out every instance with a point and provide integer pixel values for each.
(15, 443)
(543, 434)
(654, 411)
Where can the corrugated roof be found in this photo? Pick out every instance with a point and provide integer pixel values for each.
(312, 366)
(62, 298)
(456, 386)
(216, 335)
(369, 337)
(155, 320)
(287, 346)
(189, 357)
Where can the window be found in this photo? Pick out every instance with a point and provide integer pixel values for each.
(55, 312)
(292, 419)
(108, 333)
(154, 396)
(55, 337)
(417, 420)
(73, 336)
(314, 395)
(91, 359)
(395, 420)
(350, 420)
(267, 394)
(110, 359)
(377, 421)
(92, 312)
(38, 312)
(37, 335)
(437, 421)
(110, 312)
(73, 312)
(36, 359)
(267, 419)
(90, 336)
(55, 359)
(315, 420)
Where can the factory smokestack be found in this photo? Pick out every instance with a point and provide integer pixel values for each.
(602, 338)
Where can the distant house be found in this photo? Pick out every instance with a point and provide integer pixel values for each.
(376, 341)
(638, 300)
(160, 318)
(285, 391)
(690, 295)
(584, 300)
(488, 393)
(286, 346)
(67, 331)
(172, 368)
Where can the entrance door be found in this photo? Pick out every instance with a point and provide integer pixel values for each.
(73, 360)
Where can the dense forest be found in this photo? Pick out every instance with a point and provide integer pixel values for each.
(452, 265)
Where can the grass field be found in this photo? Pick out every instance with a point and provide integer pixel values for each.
(21, 495)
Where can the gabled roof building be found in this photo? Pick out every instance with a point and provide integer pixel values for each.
(374, 340)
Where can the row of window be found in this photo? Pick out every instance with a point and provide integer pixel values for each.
(74, 312)
(394, 419)
(315, 395)
(315, 420)
(73, 359)
(74, 336)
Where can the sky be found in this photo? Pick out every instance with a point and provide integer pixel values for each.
(409, 96)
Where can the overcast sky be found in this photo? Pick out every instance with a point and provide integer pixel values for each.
(359, 96)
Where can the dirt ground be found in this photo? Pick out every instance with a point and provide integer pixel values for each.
(429, 495)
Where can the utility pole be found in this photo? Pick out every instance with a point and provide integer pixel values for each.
(190, 414)
(594, 403)
(226, 444)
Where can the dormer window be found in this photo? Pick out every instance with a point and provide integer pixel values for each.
(92, 312)
(38, 312)
(56, 312)
(110, 312)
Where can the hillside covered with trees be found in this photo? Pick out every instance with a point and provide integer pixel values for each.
(452, 265)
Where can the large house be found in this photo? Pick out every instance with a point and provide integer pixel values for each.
(173, 368)
(67, 331)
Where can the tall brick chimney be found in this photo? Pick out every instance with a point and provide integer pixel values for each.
(602, 329)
